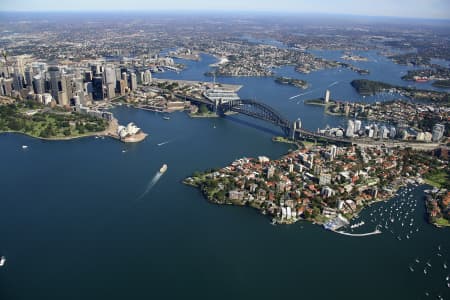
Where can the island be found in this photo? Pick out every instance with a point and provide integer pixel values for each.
(319, 183)
(292, 81)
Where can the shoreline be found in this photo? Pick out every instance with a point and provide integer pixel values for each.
(62, 138)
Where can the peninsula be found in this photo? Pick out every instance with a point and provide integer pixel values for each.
(316, 184)
(368, 87)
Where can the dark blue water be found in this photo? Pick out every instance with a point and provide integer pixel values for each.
(73, 225)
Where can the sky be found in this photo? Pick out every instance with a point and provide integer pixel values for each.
(428, 9)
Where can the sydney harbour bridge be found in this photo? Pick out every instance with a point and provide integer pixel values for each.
(264, 112)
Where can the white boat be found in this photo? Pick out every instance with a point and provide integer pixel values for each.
(445, 266)
(425, 271)
(166, 118)
(163, 169)
(24, 146)
(2, 261)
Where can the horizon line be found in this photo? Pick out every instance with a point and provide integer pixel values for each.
(203, 11)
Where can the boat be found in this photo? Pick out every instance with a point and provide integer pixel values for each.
(445, 266)
(425, 271)
(417, 260)
(274, 221)
(428, 264)
(24, 146)
(2, 261)
(411, 269)
(163, 169)
(166, 118)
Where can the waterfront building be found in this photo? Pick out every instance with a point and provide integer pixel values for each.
(147, 77)
(384, 132)
(438, 132)
(392, 133)
(350, 129)
(357, 126)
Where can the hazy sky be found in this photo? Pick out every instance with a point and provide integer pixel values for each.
(402, 8)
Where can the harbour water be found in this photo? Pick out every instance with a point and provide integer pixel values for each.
(73, 224)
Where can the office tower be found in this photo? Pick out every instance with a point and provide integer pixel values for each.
(97, 86)
(38, 84)
(110, 80)
(133, 82)
(7, 86)
(55, 82)
(17, 81)
(88, 76)
(125, 78)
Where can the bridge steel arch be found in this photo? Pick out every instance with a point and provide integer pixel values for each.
(256, 110)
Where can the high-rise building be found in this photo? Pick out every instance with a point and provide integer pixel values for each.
(7, 86)
(438, 132)
(133, 81)
(392, 133)
(97, 86)
(384, 132)
(327, 96)
(333, 151)
(350, 128)
(38, 84)
(147, 77)
(125, 78)
(357, 126)
(55, 82)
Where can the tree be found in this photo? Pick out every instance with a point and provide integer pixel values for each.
(203, 109)
(67, 132)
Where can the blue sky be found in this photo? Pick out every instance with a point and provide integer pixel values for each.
(439, 9)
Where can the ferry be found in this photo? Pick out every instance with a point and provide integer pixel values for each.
(163, 169)
(2, 261)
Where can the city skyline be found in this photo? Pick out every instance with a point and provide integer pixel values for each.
(435, 9)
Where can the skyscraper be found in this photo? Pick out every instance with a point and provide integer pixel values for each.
(97, 86)
(350, 128)
(133, 81)
(55, 82)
